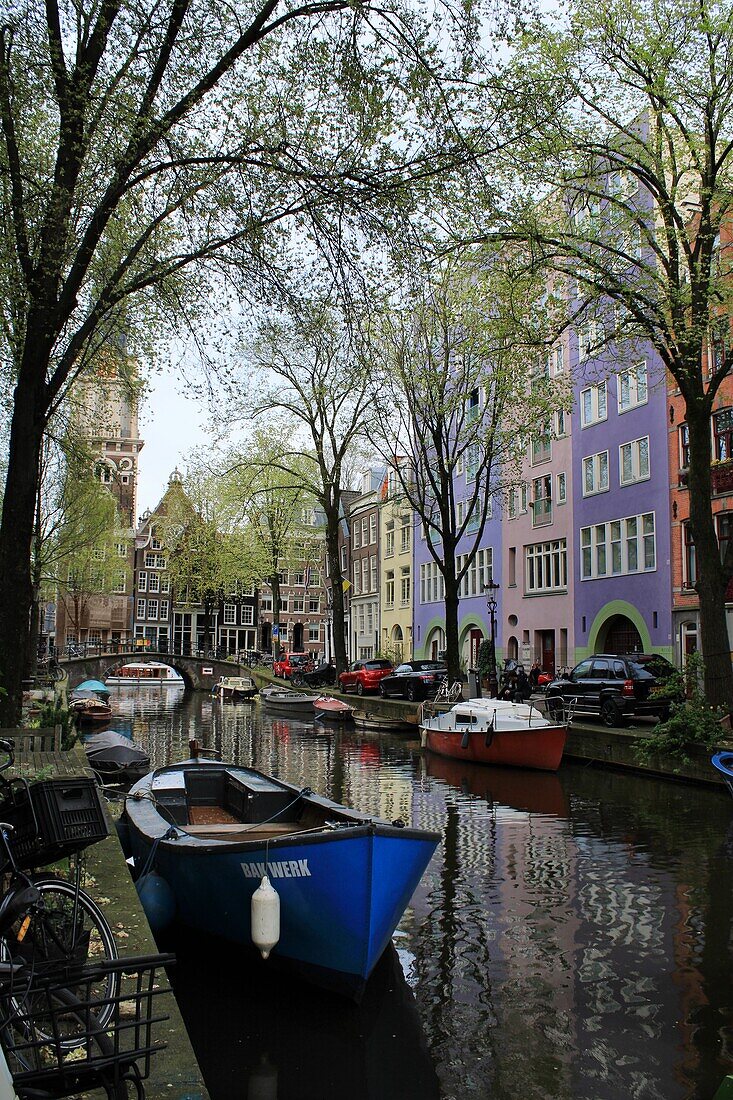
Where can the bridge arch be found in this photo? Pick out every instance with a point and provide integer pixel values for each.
(198, 673)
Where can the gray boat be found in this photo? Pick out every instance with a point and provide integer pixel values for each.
(279, 698)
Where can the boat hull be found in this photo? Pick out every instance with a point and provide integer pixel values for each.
(540, 747)
(342, 890)
(723, 764)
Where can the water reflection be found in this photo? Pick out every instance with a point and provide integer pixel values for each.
(570, 939)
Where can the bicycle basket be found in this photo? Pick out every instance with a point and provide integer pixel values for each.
(52, 1039)
(53, 818)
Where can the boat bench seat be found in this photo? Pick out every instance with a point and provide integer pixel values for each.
(240, 832)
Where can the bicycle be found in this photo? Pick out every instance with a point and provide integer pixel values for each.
(47, 923)
(54, 1044)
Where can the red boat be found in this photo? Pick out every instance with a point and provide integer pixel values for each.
(335, 710)
(492, 731)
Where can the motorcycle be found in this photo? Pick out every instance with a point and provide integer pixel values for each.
(324, 675)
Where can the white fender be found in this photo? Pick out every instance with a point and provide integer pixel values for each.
(265, 917)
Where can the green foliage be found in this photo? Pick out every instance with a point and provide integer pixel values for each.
(692, 724)
(484, 657)
(55, 714)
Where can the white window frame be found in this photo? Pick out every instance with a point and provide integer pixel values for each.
(595, 464)
(546, 567)
(153, 606)
(638, 391)
(618, 547)
(142, 582)
(561, 492)
(432, 585)
(636, 451)
(230, 614)
(596, 417)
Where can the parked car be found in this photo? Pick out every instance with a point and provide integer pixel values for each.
(285, 666)
(365, 675)
(323, 675)
(614, 687)
(414, 680)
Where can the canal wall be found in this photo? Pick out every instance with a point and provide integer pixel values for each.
(589, 742)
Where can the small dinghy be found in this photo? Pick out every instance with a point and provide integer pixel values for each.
(95, 686)
(115, 758)
(235, 689)
(88, 708)
(379, 723)
(247, 857)
(334, 710)
(283, 699)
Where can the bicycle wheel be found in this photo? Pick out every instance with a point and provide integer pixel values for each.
(62, 933)
(36, 1042)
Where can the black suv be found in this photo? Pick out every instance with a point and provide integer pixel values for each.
(615, 687)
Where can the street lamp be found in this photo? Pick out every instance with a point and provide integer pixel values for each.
(491, 588)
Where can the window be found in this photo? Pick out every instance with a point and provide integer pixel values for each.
(477, 575)
(474, 520)
(230, 614)
(374, 583)
(542, 501)
(560, 424)
(298, 605)
(632, 388)
(120, 582)
(618, 547)
(165, 583)
(562, 489)
(472, 405)
(542, 445)
(472, 461)
(689, 558)
(248, 615)
(723, 430)
(142, 582)
(355, 536)
(593, 404)
(587, 340)
(389, 590)
(405, 588)
(622, 185)
(373, 528)
(265, 603)
(634, 461)
(99, 553)
(314, 632)
(389, 544)
(595, 474)
(432, 587)
(297, 578)
(546, 566)
(164, 609)
(152, 609)
(405, 538)
(365, 574)
(357, 577)
(365, 531)
(314, 605)
(121, 549)
(154, 582)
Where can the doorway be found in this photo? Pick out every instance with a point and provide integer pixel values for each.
(620, 636)
(546, 657)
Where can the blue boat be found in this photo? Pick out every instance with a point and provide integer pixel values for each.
(344, 879)
(723, 761)
(95, 686)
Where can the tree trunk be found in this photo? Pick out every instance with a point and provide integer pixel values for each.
(337, 590)
(711, 578)
(453, 660)
(16, 534)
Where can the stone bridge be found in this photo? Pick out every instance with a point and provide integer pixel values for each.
(199, 673)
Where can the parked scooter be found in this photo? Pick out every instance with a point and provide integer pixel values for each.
(324, 675)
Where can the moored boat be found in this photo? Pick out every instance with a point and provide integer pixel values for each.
(283, 699)
(381, 723)
(493, 731)
(235, 689)
(332, 709)
(212, 831)
(88, 708)
(115, 758)
(96, 686)
(723, 764)
(145, 673)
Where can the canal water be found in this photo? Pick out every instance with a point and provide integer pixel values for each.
(571, 938)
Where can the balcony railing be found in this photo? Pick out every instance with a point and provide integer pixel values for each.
(722, 477)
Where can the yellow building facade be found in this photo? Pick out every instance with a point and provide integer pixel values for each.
(395, 538)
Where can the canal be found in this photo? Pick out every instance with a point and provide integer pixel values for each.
(572, 937)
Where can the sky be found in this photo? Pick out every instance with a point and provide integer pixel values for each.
(172, 425)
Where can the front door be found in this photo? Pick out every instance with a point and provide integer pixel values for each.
(476, 639)
(547, 641)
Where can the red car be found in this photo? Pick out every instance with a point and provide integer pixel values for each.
(365, 675)
(287, 665)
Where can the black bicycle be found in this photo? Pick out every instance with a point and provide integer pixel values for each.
(48, 924)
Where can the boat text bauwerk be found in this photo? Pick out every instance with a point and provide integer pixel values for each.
(286, 868)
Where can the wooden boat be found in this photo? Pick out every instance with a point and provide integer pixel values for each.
(145, 673)
(284, 699)
(235, 689)
(380, 723)
(88, 708)
(723, 763)
(115, 758)
(494, 731)
(334, 710)
(344, 879)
